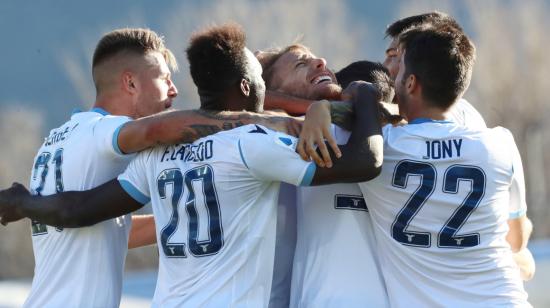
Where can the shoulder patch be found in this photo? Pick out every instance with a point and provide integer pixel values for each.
(286, 140)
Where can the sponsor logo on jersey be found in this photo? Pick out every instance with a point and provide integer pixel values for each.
(350, 202)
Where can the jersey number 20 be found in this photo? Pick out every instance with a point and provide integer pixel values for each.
(214, 242)
(448, 235)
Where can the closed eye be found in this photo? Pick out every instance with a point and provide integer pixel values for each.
(299, 64)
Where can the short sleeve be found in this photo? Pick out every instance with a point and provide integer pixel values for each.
(134, 179)
(271, 156)
(518, 204)
(106, 133)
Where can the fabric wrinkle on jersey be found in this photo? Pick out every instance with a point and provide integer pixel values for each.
(465, 114)
(285, 244)
(424, 262)
(79, 267)
(240, 170)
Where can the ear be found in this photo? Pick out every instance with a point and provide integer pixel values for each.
(245, 87)
(412, 84)
(128, 82)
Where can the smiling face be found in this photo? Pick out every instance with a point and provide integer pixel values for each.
(300, 73)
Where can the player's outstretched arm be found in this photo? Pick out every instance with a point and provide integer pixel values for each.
(185, 126)
(67, 209)
(362, 156)
(290, 104)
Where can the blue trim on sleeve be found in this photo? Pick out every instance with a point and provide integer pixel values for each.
(100, 111)
(308, 176)
(134, 192)
(115, 140)
(425, 120)
(517, 214)
(241, 153)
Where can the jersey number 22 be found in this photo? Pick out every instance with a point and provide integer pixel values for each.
(448, 236)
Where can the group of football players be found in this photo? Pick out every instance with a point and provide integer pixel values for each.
(416, 203)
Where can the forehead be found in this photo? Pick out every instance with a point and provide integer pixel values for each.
(295, 54)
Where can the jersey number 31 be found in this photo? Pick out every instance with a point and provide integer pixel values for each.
(43, 161)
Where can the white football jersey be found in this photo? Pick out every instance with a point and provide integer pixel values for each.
(79, 267)
(351, 276)
(214, 203)
(335, 262)
(440, 208)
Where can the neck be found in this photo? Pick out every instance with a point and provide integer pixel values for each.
(229, 100)
(114, 104)
(433, 113)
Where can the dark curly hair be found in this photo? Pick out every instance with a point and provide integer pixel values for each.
(217, 61)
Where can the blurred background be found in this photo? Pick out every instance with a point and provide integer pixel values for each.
(45, 72)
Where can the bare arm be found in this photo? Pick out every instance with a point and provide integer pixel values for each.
(185, 126)
(290, 104)
(143, 232)
(67, 209)
(520, 230)
(363, 154)
(342, 114)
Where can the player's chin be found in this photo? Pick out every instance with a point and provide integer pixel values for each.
(331, 91)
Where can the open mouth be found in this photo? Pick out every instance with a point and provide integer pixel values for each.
(321, 79)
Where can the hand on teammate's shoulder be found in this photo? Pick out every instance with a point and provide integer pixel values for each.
(355, 88)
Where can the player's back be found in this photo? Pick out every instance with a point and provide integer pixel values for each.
(214, 207)
(78, 267)
(440, 209)
(335, 262)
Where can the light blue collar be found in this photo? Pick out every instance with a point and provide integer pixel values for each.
(425, 120)
(96, 109)
(100, 111)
